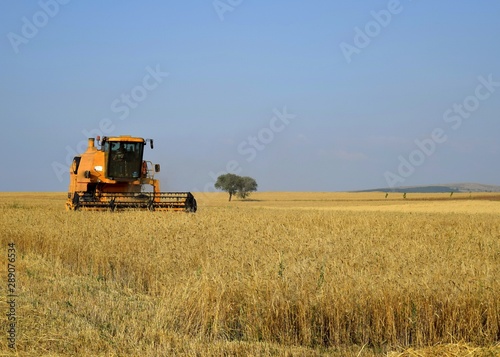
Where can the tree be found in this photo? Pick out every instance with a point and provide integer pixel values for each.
(236, 185)
(228, 183)
(246, 185)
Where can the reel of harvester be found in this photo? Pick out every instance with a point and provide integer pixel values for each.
(163, 201)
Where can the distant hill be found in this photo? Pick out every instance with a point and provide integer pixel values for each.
(452, 187)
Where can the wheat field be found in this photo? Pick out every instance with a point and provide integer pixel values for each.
(287, 274)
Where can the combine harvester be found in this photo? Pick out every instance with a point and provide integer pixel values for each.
(115, 176)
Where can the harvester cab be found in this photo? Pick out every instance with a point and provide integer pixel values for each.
(115, 176)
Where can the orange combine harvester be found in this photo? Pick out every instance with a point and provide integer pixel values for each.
(115, 176)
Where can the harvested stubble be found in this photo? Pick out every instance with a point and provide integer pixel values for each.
(247, 278)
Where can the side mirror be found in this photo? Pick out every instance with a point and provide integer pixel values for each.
(157, 167)
(151, 143)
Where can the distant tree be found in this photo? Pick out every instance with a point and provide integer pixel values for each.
(236, 185)
(229, 183)
(246, 185)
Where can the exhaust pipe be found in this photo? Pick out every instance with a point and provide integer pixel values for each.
(91, 144)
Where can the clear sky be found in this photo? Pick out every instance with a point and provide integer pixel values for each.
(301, 95)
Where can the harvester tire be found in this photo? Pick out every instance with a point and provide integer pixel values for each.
(112, 205)
(191, 205)
(76, 202)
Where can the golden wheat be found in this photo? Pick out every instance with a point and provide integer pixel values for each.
(282, 273)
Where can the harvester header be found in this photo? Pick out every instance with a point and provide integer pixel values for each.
(115, 176)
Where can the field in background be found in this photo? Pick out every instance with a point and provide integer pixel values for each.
(341, 274)
(370, 201)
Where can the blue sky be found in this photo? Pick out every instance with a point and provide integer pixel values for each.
(301, 95)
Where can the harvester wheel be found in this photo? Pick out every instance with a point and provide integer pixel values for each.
(112, 205)
(76, 202)
(191, 205)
